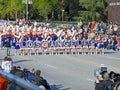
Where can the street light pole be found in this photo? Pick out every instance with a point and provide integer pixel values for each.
(92, 12)
(63, 14)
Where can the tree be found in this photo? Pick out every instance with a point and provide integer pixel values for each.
(93, 10)
(87, 10)
(10, 8)
(45, 7)
(102, 10)
(71, 7)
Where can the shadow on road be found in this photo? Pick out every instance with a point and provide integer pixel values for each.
(110, 52)
(19, 61)
(58, 87)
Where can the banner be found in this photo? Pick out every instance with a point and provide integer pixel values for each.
(49, 44)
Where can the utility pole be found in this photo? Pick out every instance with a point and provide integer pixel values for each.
(27, 11)
(92, 11)
(63, 10)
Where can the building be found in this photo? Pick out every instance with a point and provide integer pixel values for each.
(114, 11)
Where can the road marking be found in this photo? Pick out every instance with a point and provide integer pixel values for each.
(91, 80)
(50, 66)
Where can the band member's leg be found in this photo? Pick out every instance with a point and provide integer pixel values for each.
(77, 50)
(84, 50)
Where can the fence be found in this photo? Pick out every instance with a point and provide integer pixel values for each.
(19, 81)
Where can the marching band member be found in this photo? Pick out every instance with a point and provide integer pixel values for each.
(54, 38)
(22, 46)
(27, 35)
(58, 45)
(3, 39)
(51, 46)
(102, 45)
(71, 45)
(31, 36)
(60, 40)
(36, 46)
(17, 47)
(78, 43)
(29, 46)
(91, 43)
(52, 41)
(39, 36)
(44, 46)
(84, 46)
(13, 39)
(34, 36)
(96, 45)
(66, 43)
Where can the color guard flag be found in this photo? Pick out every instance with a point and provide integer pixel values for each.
(25, 1)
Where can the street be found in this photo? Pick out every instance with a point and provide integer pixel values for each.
(68, 72)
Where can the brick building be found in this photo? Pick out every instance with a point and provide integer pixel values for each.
(114, 11)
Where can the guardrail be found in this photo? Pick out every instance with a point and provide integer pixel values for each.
(19, 81)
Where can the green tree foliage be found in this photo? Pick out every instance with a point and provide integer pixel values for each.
(93, 10)
(45, 7)
(9, 8)
(71, 7)
(102, 9)
(87, 10)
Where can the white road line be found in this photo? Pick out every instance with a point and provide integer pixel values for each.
(50, 66)
(91, 80)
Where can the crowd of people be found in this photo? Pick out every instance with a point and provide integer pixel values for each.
(25, 37)
(30, 75)
(92, 37)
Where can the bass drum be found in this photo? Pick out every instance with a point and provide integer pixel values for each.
(117, 86)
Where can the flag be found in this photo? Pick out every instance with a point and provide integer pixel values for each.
(25, 1)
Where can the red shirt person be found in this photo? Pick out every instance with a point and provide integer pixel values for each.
(3, 83)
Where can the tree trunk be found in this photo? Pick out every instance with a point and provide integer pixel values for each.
(16, 15)
(46, 18)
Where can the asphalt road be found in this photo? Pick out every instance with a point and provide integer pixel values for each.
(68, 72)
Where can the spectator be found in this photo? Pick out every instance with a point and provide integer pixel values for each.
(8, 45)
(13, 70)
(42, 87)
(1, 68)
(118, 45)
(40, 81)
(3, 83)
(19, 35)
(7, 64)
(13, 86)
(31, 75)
(92, 25)
(114, 43)
(104, 84)
(19, 72)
